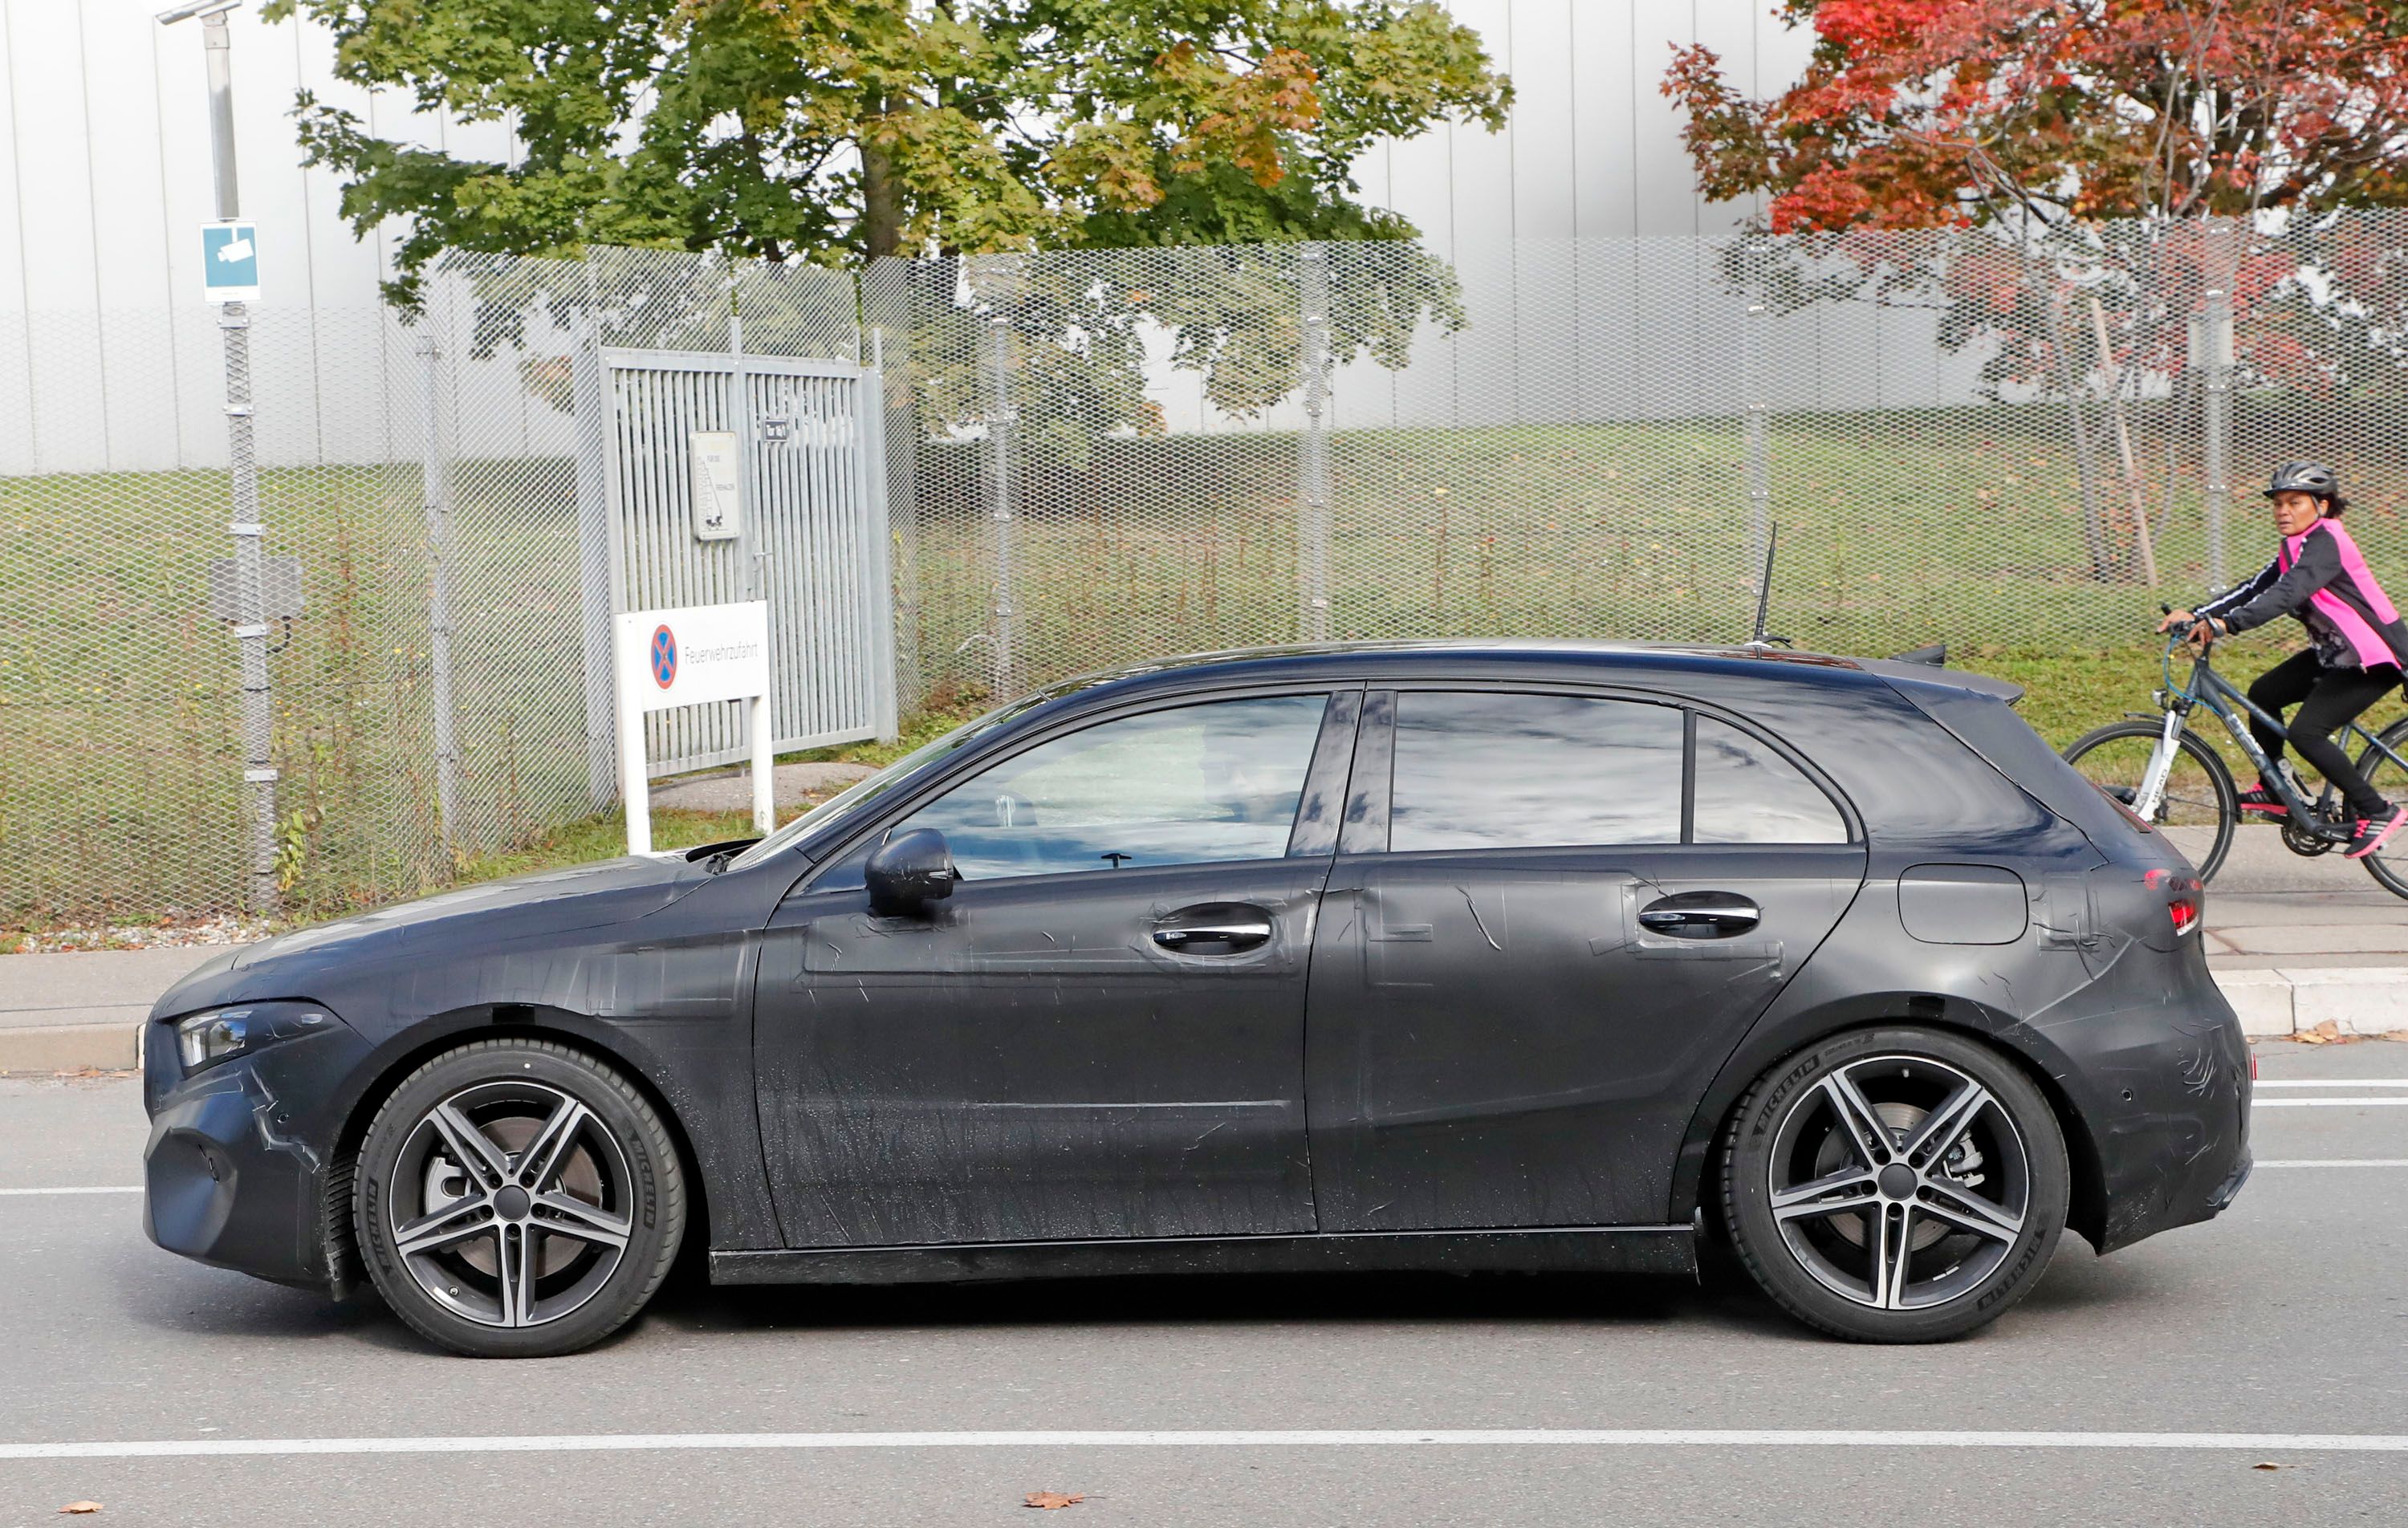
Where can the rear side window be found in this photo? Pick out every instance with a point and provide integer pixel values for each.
(1746, 793)
(1503, 771)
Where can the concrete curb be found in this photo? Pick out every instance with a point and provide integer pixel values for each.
(2354, 999)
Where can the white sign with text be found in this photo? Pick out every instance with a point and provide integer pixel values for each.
(688, 656)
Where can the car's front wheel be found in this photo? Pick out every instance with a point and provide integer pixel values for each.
(517, 1199)
(1894, 1185)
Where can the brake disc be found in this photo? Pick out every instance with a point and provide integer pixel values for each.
(447, 1184)
(1963, 1164)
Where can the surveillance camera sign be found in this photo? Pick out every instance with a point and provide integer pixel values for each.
(229, 261)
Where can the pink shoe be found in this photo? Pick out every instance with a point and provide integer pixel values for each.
(2374, 833)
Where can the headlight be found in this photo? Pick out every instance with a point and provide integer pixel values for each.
(205, 1039)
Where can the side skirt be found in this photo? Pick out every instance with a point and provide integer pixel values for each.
(1642, 1248)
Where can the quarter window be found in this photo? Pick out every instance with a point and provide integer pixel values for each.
(1749, 794)
(1505, 771)
(1195, 785)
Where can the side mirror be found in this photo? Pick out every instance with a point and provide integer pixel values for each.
(907, 872)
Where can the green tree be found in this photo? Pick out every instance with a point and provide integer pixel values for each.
(839, 131)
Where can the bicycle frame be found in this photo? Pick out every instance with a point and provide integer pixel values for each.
(2230, 705)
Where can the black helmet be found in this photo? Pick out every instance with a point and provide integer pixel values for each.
(2306, 478)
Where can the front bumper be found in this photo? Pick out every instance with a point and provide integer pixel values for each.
(233, 1173)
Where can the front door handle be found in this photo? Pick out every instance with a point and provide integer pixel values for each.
(1701, 915)
(1220, 928)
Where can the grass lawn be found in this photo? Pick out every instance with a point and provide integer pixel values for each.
(120, 795)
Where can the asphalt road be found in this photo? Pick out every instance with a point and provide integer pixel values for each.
(2290, 1315)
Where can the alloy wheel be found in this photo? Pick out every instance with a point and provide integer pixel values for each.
(510, 1203)
(1898, 1183)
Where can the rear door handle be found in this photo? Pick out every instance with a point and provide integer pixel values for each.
(1701, 915)
(1223, 928)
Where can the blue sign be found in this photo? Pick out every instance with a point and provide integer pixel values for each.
(229, 261)
(664, 657)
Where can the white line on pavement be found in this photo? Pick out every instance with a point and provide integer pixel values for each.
(2339, 1161)
(2333, 1082)
(1578, 1437)
(112, 1187)
(2400, 1102)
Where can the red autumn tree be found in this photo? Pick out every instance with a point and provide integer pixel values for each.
(1920, 113)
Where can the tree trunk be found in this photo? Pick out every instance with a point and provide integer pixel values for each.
(881, 205)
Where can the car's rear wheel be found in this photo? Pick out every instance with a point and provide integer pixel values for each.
(1894, 1185)
(517, 1199)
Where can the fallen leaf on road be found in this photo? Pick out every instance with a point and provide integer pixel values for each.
(1050, 1500)
(2270, 1465)
(80, 1506)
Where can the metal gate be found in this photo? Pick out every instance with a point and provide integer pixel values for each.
(808, 533)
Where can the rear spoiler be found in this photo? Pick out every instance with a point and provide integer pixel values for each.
(1916, 667)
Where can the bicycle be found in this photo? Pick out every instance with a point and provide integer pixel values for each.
(2172, 778)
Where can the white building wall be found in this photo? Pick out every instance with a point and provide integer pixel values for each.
(106, 357)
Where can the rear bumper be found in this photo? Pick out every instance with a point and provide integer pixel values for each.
(2166, 1086)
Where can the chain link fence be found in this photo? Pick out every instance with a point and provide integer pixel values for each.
(2014, 447)
(2017, 446)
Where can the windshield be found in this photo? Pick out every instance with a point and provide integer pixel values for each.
(861, 794)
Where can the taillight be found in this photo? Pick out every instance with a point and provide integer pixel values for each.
(2185, 898)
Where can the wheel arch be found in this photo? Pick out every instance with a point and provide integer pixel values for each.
(454, 1031)
(2003, 1034)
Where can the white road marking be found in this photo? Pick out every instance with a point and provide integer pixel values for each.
(2332, 1082)
(2338, 1162)
(1469, 1438)
(2399, 1102)
(113, 1188)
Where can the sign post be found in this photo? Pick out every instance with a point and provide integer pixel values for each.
(668, 658)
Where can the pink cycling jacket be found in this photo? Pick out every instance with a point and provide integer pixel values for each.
(2322, 577)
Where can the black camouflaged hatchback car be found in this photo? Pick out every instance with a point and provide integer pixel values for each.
(1454, 956)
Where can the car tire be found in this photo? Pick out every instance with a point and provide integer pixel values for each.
(517, 1199)
(1894, 1185)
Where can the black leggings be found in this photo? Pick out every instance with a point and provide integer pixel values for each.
(2327, 698)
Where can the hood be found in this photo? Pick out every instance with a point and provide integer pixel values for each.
(471, 919)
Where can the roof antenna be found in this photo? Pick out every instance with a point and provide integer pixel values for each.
(1757, 638)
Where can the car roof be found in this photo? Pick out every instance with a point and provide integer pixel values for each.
(1532, 657)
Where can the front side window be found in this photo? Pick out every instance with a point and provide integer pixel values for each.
(1502, 771)
(1195, 785)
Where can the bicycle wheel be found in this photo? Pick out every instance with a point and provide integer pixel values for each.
(2200, 805)
(2389, 864)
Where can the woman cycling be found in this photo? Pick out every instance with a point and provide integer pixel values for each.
(2358, 643)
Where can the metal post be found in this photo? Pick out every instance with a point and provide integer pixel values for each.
(1759, 451)
(435, 480)
(590, 404)
(870, 435)
(749, 584)
(218, 48)
(999, 420)
(250, 607)
(1312, 456)
(2222, 238)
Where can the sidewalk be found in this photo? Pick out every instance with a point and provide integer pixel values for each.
(2294, 943)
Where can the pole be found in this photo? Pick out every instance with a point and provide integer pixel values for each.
(592, 405)
(436, 482)
(2222, 270)
(258, 713)
(1759, 451)
(740, 408)
(634, 789)
(1312, 458)
(999, 420)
